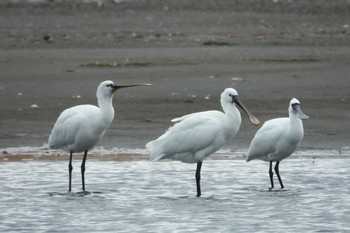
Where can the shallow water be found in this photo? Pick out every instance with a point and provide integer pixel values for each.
(140, 196)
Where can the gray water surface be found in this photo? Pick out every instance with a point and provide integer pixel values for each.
(140, 196)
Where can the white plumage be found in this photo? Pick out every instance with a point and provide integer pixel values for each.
(196, 136)
(80, 128)
(278, 138)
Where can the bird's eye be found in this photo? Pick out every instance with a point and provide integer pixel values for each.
(108, 85)
(230, 95)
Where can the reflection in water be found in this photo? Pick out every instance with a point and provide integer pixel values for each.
(140, 196)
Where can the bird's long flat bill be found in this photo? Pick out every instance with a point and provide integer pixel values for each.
(252, 118)
(118, 86)
(300, 114)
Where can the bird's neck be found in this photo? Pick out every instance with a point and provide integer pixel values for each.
(233, 116)
(106, 106)
(230, 110)
(295, 127)
(294, 120)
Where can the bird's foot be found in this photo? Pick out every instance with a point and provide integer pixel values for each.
(83, 193)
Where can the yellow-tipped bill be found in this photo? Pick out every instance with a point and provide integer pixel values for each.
(252, 118)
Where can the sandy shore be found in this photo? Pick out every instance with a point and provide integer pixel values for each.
(53, 56)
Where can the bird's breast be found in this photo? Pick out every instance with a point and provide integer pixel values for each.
(295, 132)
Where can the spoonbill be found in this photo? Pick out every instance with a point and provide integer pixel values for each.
(278, 138)
(80, 128)
(195, 136)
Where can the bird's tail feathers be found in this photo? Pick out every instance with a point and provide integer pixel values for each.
(50, 143)
(249, 157)
(246, 157)
(156, 153)
(155, 158)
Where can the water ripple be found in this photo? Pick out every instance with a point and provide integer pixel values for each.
(140, 196)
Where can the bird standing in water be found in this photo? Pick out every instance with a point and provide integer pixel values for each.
(278, 138)
(80, 128)
(196, 136)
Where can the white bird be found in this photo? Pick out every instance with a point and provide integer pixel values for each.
(80, 128)
(278, 138)
(196, 136)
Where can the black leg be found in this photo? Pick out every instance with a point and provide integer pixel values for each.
(70, 169)
(83, 170)
(198, 178)
(278, 174)
(271, 175)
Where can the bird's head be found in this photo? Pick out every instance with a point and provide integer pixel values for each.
(230, 95)
(294, 108)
